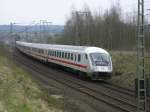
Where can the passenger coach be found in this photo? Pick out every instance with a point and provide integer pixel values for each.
(92, 62)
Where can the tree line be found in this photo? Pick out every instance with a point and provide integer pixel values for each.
(109, 30)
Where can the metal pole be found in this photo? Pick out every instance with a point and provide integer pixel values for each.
(11, 36)
(11, 31)
(88, 28)
(77, 40)
(140, 59)
(40, 31)
(27, 37)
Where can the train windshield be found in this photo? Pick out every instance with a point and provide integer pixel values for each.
(100, 59)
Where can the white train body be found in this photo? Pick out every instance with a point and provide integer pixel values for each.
(93, 62)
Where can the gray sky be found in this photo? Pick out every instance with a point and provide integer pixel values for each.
(55, 11)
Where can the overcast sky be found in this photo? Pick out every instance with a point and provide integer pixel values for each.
(55, 11)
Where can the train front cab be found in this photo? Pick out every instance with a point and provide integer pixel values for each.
(101, 66)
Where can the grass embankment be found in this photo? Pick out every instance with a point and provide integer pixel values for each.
(19, 93)
(125, 68)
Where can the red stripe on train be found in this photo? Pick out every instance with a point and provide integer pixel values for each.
(67, 62)
(63, 61)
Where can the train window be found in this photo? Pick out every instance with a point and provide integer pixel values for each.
(75, 57)
(65, 55)
(71, 56)
(86, 56)
(42, 51)
(62, 54)
(32, 49)
(36, 50)
(79, 57)
(51, 53)
(68, 55)
(59, 54)
(55, 53)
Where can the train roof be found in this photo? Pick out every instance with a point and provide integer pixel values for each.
(87, 49)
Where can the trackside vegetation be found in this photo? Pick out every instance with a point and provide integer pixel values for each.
(124, 66)
(109, 29)
(19, 93)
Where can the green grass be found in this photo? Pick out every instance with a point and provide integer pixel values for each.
(19, 93)
(125, 68)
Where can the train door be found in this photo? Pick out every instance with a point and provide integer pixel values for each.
(75, 59)
(46, 54)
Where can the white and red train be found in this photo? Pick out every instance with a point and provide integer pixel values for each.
(90, 62)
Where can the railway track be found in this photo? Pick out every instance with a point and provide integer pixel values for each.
(118, 103)
(119, 89)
